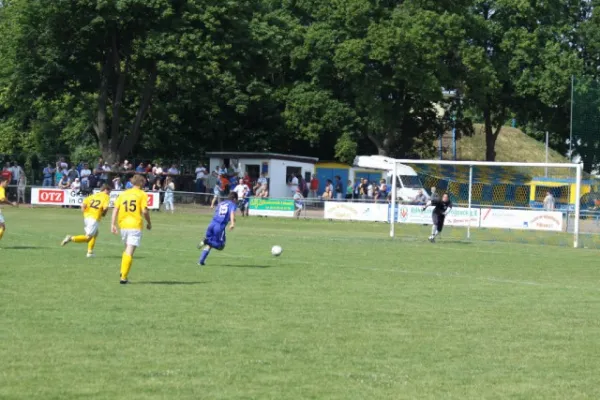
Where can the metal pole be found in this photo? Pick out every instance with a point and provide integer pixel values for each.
(577, 206)
(470, 200)
(571, 119)
(547, 152)
(454, 140)
(393, 205)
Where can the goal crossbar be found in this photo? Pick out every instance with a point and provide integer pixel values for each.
(577, 167)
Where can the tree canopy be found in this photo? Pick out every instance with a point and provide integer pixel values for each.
(331, 79)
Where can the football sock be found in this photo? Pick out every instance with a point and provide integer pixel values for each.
(125, 266)
(91, 244)
(80, 239)
(433, 230)
(204, 255)
(1, 232)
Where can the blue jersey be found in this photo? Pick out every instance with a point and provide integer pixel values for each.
(223, 212)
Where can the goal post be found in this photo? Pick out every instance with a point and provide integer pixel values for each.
(537, 202)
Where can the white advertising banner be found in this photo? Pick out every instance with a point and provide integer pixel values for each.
(459, 216)
(66, 197)
(356, 211)
(522, 219)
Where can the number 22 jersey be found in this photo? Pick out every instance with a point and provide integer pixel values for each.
(131, 204)
(95, 205)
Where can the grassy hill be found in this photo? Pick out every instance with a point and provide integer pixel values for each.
(512, 145)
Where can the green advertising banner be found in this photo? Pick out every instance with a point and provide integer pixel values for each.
(272, 207)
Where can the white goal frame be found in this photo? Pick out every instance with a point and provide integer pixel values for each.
(578, 176)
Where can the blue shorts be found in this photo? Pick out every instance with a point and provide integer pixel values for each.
(215, 236)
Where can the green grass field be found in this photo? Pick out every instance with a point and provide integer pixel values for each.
(345, 313)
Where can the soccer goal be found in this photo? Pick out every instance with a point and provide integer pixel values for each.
(497, 201)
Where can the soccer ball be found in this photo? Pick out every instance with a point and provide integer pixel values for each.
(276, 251)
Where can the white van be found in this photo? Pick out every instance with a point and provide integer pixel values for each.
(408, 183)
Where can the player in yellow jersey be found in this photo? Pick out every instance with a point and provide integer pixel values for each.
(4, 200)
(94, 207)
(131, 208)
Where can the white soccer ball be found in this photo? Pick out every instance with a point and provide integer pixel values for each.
(276, 251)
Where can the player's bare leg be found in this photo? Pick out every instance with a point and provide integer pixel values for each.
(2, 230)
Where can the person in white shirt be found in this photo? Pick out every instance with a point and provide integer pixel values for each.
(242, 191)
(549, 202)
(85, 175)
(293, 184)
(16, 172)
(105, 170)
(117, 184)
(200, 176)
(169, 195)
(76, 185)
(221, 170)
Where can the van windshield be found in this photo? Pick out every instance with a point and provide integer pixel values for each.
(411, 181)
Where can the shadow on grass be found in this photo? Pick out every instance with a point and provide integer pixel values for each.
(168, 283)
(25, 247)
(120, 256)
(453, 241)
(245, 266)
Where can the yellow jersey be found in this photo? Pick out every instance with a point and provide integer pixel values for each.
(131, 204)
(2, 194)
(96, 205)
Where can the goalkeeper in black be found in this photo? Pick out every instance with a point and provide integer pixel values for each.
(441, 209)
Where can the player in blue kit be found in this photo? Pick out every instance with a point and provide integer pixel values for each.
(215, 234)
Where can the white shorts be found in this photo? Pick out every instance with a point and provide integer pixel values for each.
(131, 237)
(1, 218)
(90, 227)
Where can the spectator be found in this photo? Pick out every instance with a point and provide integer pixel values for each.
(434, 195)
(298, 203)
(370, 190)
(211, 181)
(7, 172)
(21, 186)
(381, 191)
(98, 171)
(156, 185)
(58, 174)
(48, 176)
(117, 184)
(127, 166)
(173, 170)
(338, 188)
(72, 174)
(17, 171)
(263, 191)
(364, 189)
(200, 179)
(293, 184)
(262, 180)
(222, 170)
(61, 164)
(328, 193)
(129, 184)
(218, 191)
(420, 198)
(169, 196)
(76, 185)
(85, 176)
(349, 190)
(63, 183)
(247, 181)
(242, 191)
(314, 186)
(140, 169)
(105, 173)
(549, 202)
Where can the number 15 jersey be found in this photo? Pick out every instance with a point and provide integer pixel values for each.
(131, 204)
(96, 204)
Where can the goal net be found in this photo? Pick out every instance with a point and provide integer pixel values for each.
(543, 203)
